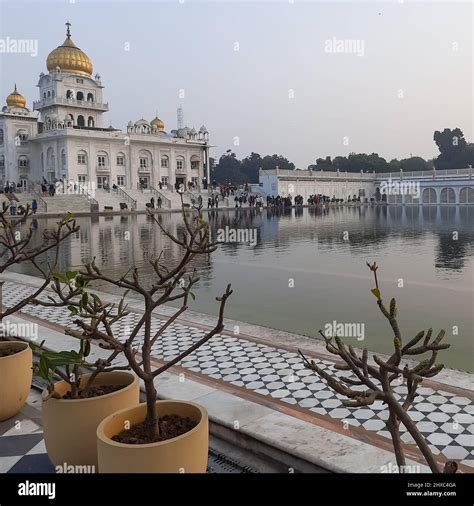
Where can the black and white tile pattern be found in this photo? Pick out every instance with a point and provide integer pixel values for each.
(445, 419)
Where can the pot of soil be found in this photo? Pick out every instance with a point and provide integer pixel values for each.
(70, 425)
(182, 444)
(16, 361)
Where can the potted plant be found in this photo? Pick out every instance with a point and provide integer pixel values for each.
(15, 377)
(156, 436)
(16, 248)
(74, 406)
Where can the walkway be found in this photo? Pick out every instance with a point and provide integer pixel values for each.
(274, 376)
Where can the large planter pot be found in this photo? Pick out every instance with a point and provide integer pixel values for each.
(15, 378)
(70, 425)
(183, 454)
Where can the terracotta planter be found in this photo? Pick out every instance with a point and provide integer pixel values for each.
(70, 425)
(183, 454)
(15, 378)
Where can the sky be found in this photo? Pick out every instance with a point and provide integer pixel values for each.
(301, 79)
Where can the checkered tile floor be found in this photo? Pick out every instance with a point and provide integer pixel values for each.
(445, 419)
(22, 447)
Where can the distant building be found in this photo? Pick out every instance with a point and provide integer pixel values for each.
(69, 141)
(453, 186)
(307, 182)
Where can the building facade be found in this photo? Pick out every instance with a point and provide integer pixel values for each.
(452, 186)
(65, 137)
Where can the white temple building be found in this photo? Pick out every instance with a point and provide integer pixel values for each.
(68, 139)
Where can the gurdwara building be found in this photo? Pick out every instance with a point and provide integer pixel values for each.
(64, 137)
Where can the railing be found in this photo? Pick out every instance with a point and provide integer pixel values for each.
(371, 176)
(127, 197)
(92, 201)
(165, 200)
(192, 196)
(427, 174)
(70, 101)
(42, 204)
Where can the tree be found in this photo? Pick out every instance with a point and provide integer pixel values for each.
(377, 380)
(251, 166)
(16, 248)
(322, 164)
(455, 153)
(96, 318)
(274, 161)
(228, 169)
(414, 164)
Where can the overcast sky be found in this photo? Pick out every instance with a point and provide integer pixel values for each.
(267, 75)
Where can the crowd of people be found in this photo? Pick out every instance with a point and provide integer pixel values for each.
(281, 201)
(17, 209)
(317, 199)
(213, 201)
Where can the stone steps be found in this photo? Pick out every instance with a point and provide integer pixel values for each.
(60, 203)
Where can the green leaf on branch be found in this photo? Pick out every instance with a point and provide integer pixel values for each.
(73, 310)
(376, 292)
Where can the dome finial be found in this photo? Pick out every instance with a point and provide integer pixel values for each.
(68, 30)
(15, 87)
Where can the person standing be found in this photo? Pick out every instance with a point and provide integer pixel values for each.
(34, 206)
(152, 202)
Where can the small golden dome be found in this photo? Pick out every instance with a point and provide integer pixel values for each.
(69, 58)
(158, 124)
(16, 99)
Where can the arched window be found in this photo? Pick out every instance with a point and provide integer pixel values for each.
(44, 94)
(448, 196)
(69, 94)
(49, 93)
(1, 136)
(63, 159)
(42, 161)
(82, 157)
(2, 162)
(90, 97)
(429, 196)
(21, 136)
(22, 162)
(120, 160)
(90, 122)
(180, 164)
(51, 160)
(165, 162)
(81, 121)
(102, 160)
(145, 160)
(195, 162)
(466, 196)
(80, 95)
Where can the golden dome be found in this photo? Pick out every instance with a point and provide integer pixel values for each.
(158, 124)
(16, 99)
(69, 58)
